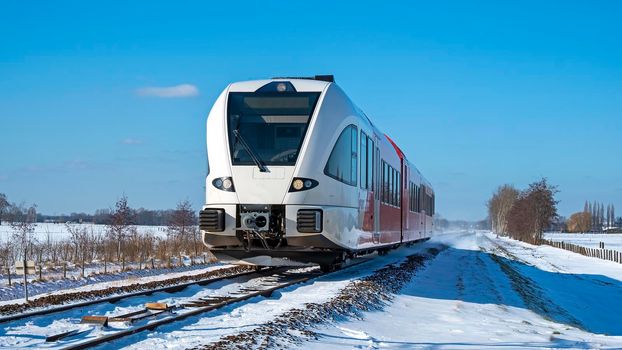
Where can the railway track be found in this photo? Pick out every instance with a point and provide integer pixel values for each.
(115, 298)
(86, 329)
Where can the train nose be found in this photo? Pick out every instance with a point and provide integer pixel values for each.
(255, 186)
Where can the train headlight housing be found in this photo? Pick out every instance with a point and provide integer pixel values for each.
(224, 184)
(302, 184)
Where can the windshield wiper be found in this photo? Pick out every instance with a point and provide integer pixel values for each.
(248, 149)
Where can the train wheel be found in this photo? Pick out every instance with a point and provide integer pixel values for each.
(330, 267)
(327, 268)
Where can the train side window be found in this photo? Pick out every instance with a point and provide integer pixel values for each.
(377, 174)
(381, 189)
(364, 160)
(399, 189)
(391, 181)
(417, 198)
(342, 163)
(391, 185)
(410, 196)
(370, 164)
(354, 154)
(385, 182)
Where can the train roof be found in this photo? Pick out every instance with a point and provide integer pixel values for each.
(301, 84)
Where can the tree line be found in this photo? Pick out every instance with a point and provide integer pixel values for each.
(120, 243)
(523, 214)
(594, 218)
(142, 216)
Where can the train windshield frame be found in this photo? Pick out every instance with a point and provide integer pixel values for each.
(272, 124)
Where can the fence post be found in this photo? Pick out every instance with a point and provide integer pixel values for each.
(25, 279)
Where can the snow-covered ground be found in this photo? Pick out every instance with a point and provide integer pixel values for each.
(15, 293)
(479, 292)
(590, 240)
(484, 292)
(56, 232)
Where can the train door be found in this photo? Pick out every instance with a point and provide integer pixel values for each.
(377, 192)
(422, 212)
(405, 197)
(400, 188)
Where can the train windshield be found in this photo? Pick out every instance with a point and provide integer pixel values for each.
(268, 128)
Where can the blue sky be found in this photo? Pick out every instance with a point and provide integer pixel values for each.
(477, 94)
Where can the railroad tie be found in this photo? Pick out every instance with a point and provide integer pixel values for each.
(96, 320)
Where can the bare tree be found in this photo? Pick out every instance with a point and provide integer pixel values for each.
(533, 212)
(579, 222)
(120, 222)
(499, 206)
(23, 225)
(80, 239)
(182, 223)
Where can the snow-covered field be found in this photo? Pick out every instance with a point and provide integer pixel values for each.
(56, 232)
(591, 240)
(479, 292)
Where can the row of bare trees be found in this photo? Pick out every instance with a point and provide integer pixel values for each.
(121, 243)
(525, 214)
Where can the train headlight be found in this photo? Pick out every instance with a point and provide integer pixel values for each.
(297, 184)
(224, 184)
(218, 183)
(302, 184)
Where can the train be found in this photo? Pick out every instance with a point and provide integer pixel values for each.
(298, 174)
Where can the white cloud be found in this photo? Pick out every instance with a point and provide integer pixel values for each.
(131, 141)
(182, 90)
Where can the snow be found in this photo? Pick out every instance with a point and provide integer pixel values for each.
(8, 295)
(464, 299)
(480, 292)
(57, 232)
(591, 240)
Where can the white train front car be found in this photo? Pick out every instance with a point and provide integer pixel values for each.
(286, 181)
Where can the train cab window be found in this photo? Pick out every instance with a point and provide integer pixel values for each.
(343, 161)
(268, 126)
